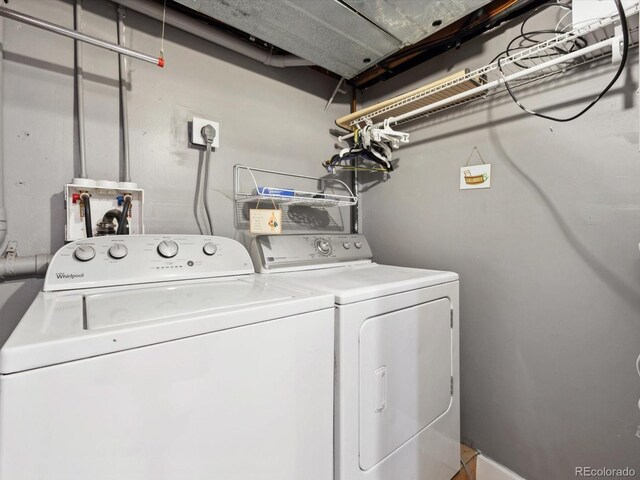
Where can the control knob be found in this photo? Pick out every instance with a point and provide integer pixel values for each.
(168, 248)
(210, 248)
(358, 244)
(84, 253)
(346, 245)
(117, 251)
(323, 246)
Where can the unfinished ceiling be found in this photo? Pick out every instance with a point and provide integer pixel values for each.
(346, 37)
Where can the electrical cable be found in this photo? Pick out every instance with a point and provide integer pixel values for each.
(577, 42)
(623, 61)
(208, 133)
(86, 203)
(538, 10)
(561, 20)
(122, 220)
(205, 188)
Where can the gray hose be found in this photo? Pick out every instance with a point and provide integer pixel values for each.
(88, 225)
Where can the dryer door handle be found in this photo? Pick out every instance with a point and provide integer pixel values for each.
(381, 389)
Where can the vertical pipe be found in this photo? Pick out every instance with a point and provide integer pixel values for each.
(124, 114)
(3, 212)
(80, 91)
(355, 226)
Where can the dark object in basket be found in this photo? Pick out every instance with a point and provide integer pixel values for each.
(309, 216)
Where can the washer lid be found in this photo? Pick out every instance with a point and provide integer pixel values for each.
(164, 303)
(71, 325)
(356, 283)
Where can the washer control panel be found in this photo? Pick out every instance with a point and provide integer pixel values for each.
(295, 252)
(133, 259)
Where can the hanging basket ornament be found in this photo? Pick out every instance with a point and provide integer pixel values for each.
(477, 175)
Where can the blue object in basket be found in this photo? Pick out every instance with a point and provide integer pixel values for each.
(276, 192)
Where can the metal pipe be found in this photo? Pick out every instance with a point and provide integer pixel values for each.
(124, 114)
(28, 266)
(200, 29)
(3, 211)
(355, 212)
(80, 91)
(67, 32)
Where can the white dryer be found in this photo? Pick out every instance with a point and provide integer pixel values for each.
(164, 357)
(397, 407)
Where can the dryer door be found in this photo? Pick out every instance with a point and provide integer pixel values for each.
(405, 376)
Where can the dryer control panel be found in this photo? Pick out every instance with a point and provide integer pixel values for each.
(272, 253)
(134, 259)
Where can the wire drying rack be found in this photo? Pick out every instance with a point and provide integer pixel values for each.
(277, 188)
(541, 61)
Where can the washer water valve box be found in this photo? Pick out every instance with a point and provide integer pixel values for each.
(105, 196)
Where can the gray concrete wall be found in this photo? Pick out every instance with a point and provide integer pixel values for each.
(270, 118)
(548, 259)
(548, 256)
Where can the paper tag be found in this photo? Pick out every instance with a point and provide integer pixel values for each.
(475, 176)
(263, 221)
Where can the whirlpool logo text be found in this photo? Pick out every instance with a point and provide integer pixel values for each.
(69, 276)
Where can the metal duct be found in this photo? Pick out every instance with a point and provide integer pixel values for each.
(343, 36)
(188, 24)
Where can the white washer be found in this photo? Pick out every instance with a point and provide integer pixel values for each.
(397, 404)
(155, 357)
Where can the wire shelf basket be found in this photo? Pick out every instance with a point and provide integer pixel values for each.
(247, 189)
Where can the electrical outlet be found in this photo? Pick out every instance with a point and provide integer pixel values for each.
(196, 132)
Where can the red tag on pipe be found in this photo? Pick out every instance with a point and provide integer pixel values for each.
(161, 62)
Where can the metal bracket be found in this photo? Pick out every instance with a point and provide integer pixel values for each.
(11, 253)
(335, 91)
(617, 46)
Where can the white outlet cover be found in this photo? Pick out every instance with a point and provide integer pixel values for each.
(196, 136)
